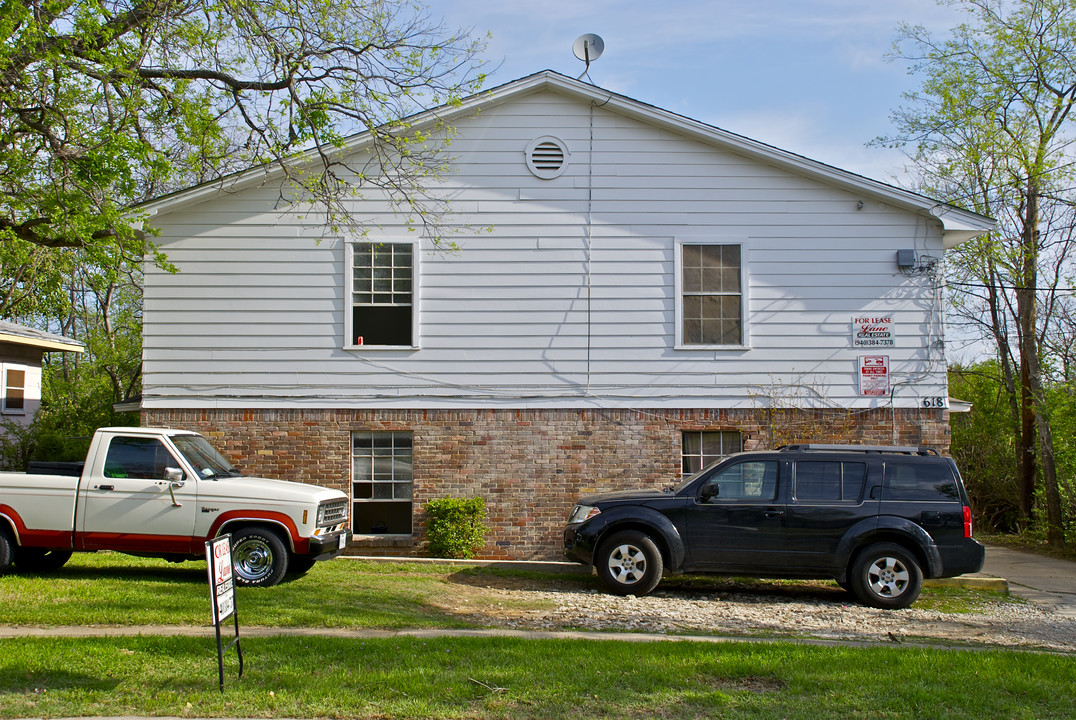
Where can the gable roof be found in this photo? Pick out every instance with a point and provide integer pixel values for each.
(21, 335)
(958, 225)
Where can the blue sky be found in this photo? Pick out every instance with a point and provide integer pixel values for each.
(808, 76)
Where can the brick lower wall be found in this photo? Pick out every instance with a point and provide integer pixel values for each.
(529, 465)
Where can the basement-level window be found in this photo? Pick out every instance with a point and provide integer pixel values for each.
(704, 447)
(382, 294)
(382, 472)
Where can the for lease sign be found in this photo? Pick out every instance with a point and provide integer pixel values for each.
(221, 586)
(871, 331)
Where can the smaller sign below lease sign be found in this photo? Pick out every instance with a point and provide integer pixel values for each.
(874, 375)
(870, 331)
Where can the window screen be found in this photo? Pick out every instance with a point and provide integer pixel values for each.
(712, 295)
(702, 448)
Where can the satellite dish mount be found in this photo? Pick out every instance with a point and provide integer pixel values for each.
(588, 48)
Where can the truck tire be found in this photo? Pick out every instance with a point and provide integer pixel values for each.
(887, 576)
(7, 549)
(259, 557)
(629, 563)
(40, 560)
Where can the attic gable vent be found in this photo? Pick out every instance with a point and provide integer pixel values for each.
(547, 157)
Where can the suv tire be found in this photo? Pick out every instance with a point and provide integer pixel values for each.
(629, 563)
(885, 575)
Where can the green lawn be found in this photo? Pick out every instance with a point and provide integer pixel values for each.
(511, 678)
(459, 677)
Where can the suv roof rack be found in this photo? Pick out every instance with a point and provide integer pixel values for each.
(904, 450)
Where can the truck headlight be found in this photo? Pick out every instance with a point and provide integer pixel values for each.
(582, 513)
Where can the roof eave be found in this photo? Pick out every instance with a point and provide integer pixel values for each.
(44, 344)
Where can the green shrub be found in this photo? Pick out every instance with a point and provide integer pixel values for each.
(454, 527)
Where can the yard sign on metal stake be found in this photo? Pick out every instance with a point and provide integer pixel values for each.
(218, 553)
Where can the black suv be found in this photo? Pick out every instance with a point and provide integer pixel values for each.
(876, 519)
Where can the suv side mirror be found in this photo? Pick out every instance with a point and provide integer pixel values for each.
(710, 490)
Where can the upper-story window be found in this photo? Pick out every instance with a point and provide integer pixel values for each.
(382, 294)
(711, 298)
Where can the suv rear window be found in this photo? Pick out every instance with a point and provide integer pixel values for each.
(829, 481)
(919, 481)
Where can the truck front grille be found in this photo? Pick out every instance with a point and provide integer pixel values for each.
(331, 513)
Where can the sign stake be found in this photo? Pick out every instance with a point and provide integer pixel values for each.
(218, 553)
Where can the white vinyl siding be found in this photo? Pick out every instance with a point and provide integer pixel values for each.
(562, 293)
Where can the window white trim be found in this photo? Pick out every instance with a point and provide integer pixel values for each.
(349, 338)
(27, 371)
(678, 283)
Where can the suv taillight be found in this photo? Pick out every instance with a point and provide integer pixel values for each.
(967, 521)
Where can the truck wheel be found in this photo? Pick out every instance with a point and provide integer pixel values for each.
(886, 576)
(6, 550)
(40, 560)
(629, 563)
(258, 557)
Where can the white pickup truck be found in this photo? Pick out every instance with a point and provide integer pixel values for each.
(163, 493)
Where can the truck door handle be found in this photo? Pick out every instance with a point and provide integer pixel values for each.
(172, 491)
(104, 487)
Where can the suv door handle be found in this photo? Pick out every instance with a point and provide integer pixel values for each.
(774, 513)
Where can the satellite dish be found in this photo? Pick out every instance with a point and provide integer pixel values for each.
(588, 48)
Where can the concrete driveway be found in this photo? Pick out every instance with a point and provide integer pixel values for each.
(1041, 580)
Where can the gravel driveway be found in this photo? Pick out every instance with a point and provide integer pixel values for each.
(810, 610)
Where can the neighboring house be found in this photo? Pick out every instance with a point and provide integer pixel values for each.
(21, 351)
(653, 293)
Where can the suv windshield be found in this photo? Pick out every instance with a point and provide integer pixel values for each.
(205, 460)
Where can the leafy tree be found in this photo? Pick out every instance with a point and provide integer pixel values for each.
(105, 103)
(991, 129)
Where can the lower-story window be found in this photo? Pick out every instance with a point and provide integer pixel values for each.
(704, 447)
(381, 483)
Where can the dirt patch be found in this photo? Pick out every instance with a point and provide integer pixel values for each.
(818, 610)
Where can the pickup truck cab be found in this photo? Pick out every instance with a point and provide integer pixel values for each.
(158, 492)
(876, 519)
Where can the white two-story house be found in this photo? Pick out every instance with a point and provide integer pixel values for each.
(634, 294)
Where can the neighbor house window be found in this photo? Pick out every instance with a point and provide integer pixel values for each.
(14, 390)
(381, 482)
(382, 294)
(711, 295)
(702, 448)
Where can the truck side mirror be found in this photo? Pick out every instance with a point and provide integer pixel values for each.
(173, 474)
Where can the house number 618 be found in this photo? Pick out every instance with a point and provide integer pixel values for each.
(934, 402)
